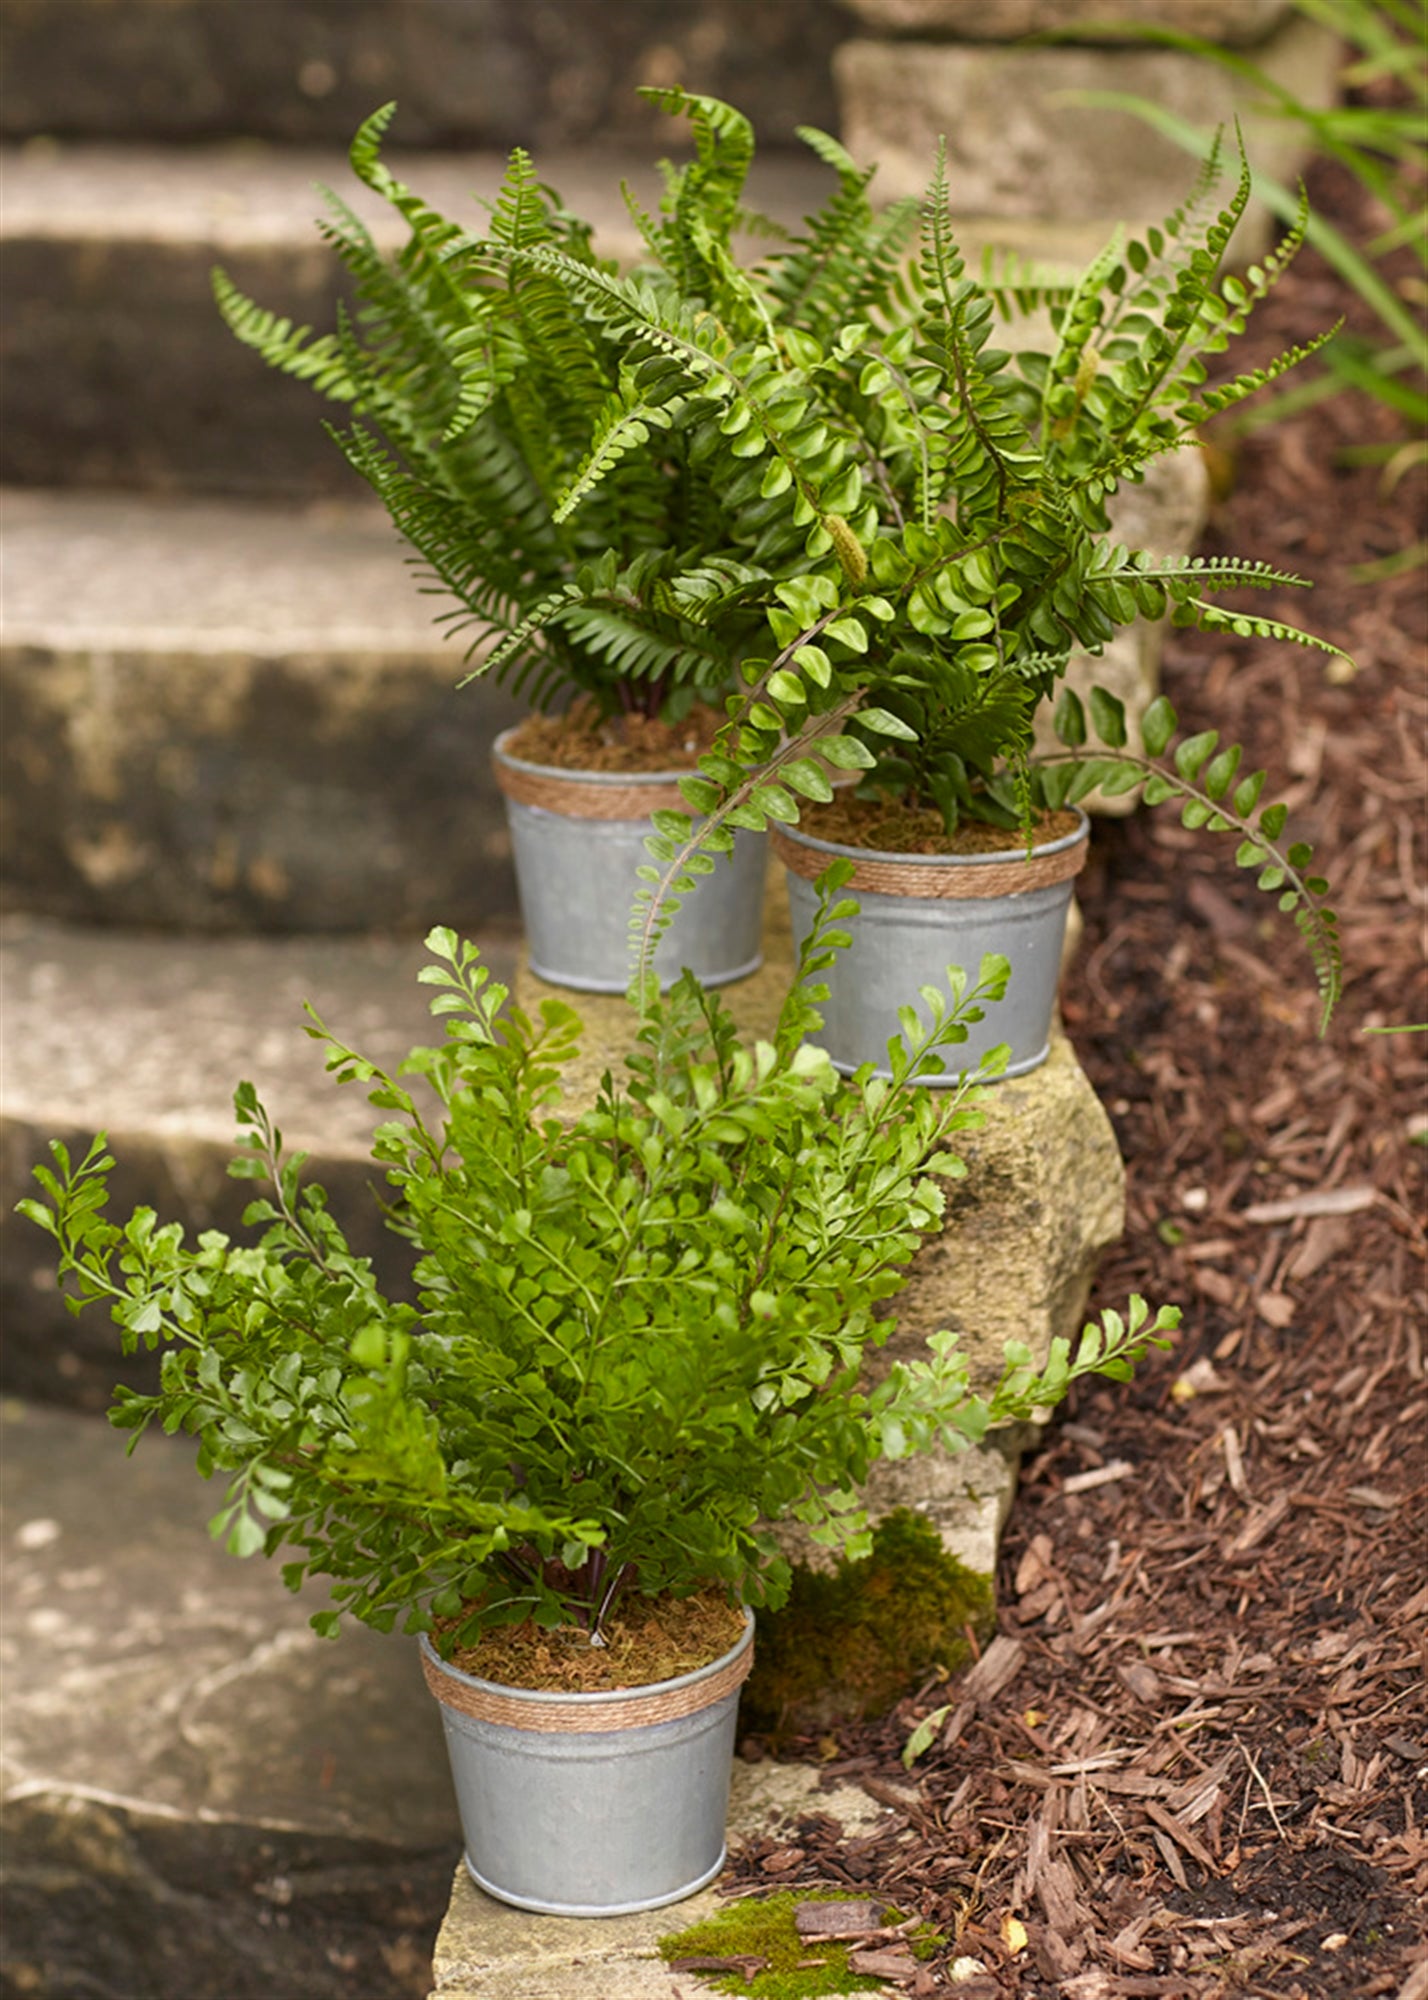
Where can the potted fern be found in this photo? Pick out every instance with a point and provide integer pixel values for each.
(481, 393)
(956, 554)
(473, 386)
(638, 1341)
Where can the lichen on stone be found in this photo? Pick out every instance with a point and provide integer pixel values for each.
(851, 1642)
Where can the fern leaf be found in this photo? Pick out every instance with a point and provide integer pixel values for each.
(1200, 775)
(292, 349)
(1245, 625)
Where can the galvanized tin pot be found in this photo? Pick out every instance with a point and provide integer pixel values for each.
(593, 1805)
(921, 913)
(578, 839)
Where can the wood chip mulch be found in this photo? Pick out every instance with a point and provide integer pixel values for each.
(1193, 1762)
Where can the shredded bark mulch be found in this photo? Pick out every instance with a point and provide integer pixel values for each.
(1193, 1763)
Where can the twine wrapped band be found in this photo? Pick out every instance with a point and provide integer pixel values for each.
(578, 796)
(942, 879)
(628, 1711)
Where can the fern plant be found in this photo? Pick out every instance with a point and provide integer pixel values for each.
(640, 1331)
(933, 510)
(535, 449)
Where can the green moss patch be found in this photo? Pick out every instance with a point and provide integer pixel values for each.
(852, 1641)
(765, 1927)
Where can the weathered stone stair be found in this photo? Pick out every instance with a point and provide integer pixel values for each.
(203, 1800)
(237, 716)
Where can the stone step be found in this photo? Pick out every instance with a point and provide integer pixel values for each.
(466, 72)
(227, 716)
(145, 1038)
(118, 371)
(202, 1799)
(1025, 134)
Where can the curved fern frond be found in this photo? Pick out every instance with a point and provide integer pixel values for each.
(1225, 395)
(703, 200)
(433, 234)
(1204, 778)
(623, 425)
(712, 186)
(518, 638)
(1245, 625)
(1132, 584)
(292, 349)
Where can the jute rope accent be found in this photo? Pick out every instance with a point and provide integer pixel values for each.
(576, 798)
(627, 1712)
(940, 881)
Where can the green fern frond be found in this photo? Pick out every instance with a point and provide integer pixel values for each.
(291, 349)
(1217, 236)
(1225, 395)
(519, 637)
(1203, 777)
(401, 333)
(519, 215)
(433, 235)
(1137, 584)
(985, 455)
(1244, 625)
(852, 178)
(703, 198)
(637, 645)
(624, 425)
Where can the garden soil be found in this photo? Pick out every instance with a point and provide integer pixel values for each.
(1193, 1762)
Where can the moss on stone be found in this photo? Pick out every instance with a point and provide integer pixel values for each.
(852, 1641)
(765, 1927)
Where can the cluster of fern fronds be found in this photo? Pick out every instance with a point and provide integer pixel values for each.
(815, 477)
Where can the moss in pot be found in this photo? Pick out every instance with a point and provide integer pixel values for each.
(638, 1342)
